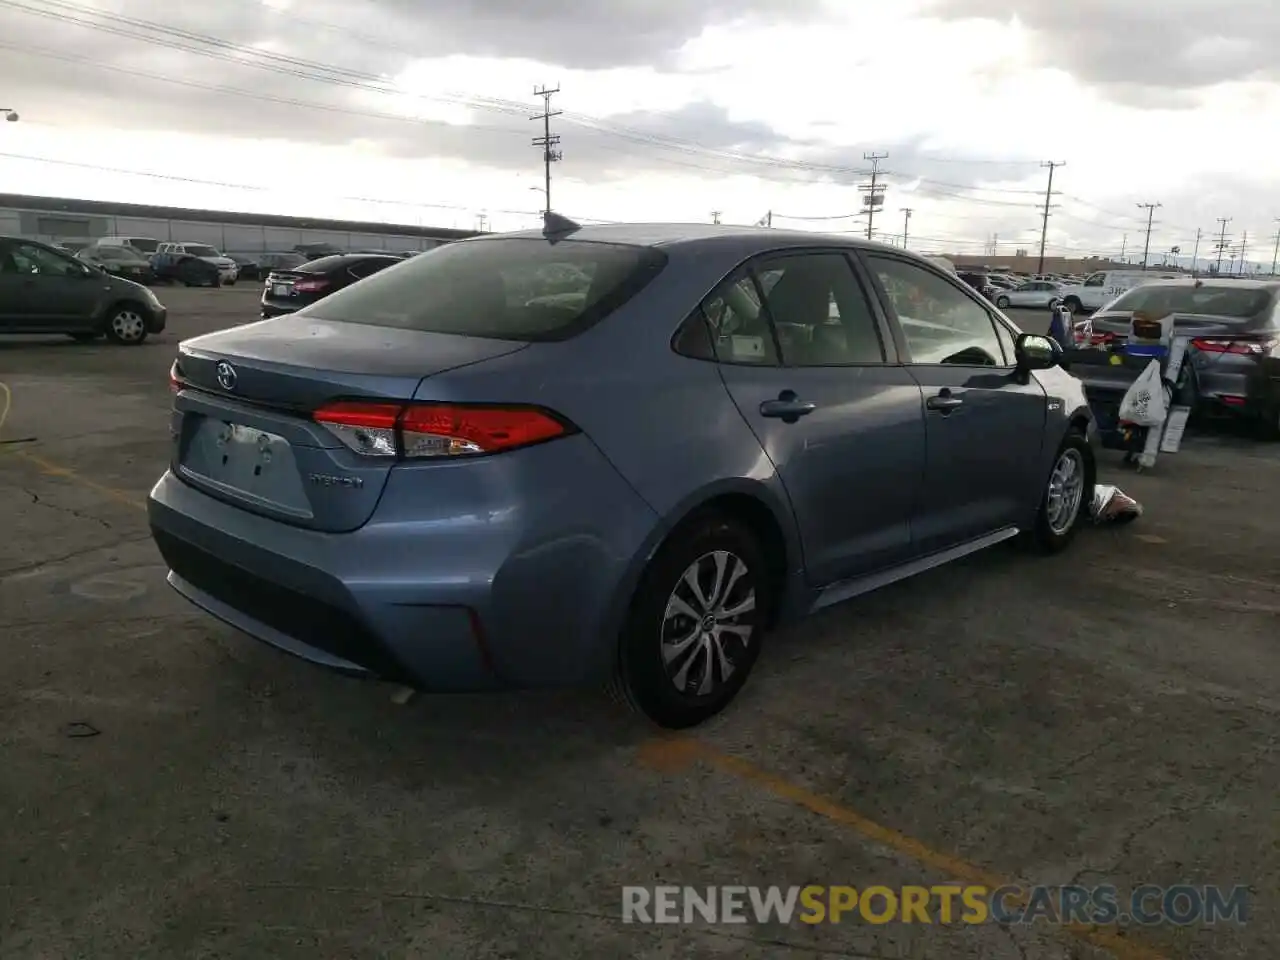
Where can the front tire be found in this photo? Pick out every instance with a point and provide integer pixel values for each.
(1073, 305)
(696, 624)
(1002, 303)
(1068, 494)
(126, 325)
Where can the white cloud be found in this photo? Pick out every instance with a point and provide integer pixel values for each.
(945, 92)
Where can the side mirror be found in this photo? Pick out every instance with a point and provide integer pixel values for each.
(1034, 352)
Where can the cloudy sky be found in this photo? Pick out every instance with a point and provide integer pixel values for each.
(415, 112)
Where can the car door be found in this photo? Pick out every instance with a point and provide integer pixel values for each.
(811, 368)
(984, 422)
(60, 291)
(13, 290)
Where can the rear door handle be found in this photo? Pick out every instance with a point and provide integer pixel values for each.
(943, 402)
(787, 407)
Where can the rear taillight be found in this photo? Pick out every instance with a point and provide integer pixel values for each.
(175, 377)
(310, 286)
(419, 430)
(1249, 348)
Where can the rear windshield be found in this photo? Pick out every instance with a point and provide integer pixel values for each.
(321, 265)
(145, 244)
(1222, 301)
(504, 289)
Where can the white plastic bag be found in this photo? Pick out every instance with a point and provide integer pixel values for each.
(1145, 402)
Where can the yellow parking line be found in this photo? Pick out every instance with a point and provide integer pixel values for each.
(673, 753)
(52, 469)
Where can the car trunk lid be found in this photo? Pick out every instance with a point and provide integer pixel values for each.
(245, 401)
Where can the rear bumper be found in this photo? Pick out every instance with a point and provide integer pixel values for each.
(522, 594)
(271, 308)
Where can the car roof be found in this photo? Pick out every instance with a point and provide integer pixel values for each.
(1234, 282)
(749, 240)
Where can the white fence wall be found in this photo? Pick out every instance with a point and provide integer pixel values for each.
(231, 238)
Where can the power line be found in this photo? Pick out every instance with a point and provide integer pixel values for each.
(243, 55)
(1048, 195)
(1151, 209)
(547, 142)
(874, 191)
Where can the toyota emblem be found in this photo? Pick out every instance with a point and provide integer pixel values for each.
(226, 375)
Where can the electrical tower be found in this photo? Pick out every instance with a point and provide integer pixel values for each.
(547, 142)
(1275, 254)
(1195, 252)
(906, 225)
(874, 191)
(1221, 244)
(1244, 245)
(1151, 209)
(1048, 197)
(715, 217)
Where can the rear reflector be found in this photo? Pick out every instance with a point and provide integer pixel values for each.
(1252, 348)
(421, 430)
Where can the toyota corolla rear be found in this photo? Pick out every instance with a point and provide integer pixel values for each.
(1233, 333)
(373, 484)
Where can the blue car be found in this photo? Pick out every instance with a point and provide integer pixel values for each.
(617, 452)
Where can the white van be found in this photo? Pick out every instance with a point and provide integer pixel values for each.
(1099, 289)
(143, 245)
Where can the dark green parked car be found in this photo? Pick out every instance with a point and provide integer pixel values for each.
(45, 290)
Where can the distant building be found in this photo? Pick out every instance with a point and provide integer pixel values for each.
(1031, 264)
(79, 222)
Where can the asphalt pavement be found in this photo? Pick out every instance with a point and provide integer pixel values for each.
(171, 788)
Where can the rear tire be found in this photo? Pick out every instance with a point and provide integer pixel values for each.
(1073, 305)
(1068, 493)
(696, 623)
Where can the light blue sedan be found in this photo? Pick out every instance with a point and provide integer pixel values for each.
(616, 452)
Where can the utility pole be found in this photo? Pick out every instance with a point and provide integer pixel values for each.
(874, 191)
(1048, 195)
(1151, 212)
(1222, 242)
(1244, 243)
(547, 142)
(1195, 252)
(715, 217)
(1124, 243)
(906, 225)
(1275, 254)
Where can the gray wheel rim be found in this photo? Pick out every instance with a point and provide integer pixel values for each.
(128, 325)
(707, 625)
(1066, 490)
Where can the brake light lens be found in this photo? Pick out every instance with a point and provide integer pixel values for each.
(310, 286)
(1250, 348)
(426, 430)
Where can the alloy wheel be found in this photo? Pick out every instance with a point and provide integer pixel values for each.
(1066, 490)
(708, 624)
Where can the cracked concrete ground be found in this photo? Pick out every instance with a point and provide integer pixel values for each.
(170, 788)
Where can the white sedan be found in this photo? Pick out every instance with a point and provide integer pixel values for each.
(1036, 293)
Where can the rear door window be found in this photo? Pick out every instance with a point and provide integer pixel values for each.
(506, 289)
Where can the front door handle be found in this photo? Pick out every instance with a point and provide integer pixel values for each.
(787, 407)
(943, 402)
